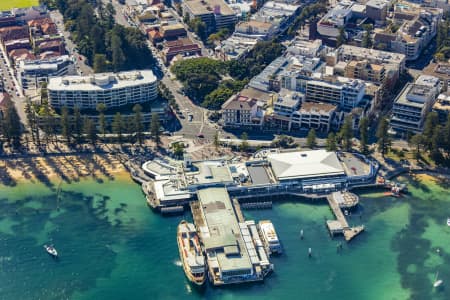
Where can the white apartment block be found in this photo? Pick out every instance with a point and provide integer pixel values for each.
(413, 104)
(31, 73)
(112, 89)
(314, 115)
(286, 104)
(346, 95)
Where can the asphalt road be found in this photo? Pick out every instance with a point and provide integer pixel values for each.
(11, 86)
(80, 60)
(185, 126)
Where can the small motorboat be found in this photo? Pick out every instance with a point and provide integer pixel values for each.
(51, 250)
(448, 222)
(437, 282)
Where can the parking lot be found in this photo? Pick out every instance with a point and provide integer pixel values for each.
(354, 165)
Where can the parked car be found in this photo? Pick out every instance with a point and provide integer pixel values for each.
(200, 135)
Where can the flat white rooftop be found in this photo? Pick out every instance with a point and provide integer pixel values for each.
(305, 164)
(102, 81)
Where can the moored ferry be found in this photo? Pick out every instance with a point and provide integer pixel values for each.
(191, 254)
(269, 237)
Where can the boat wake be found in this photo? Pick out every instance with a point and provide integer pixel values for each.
(178, 263)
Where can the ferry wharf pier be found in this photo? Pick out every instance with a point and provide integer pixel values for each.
(338, 201)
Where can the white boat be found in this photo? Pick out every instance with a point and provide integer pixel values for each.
(191, 254)
(269, 237)
(51, 250)
(448, 222)
(437, 282)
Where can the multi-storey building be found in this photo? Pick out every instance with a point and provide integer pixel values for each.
(412, 105)
(442, 107)
(347, 95)
(14, 33)
(182, 46)
(415, 27)
(314, 115)
(272, 19)
(365, 71)
(377, 10)
(31, 73)
(373, 56)
(216, 14)
(440, 70)
(335, 19)
(241, 111)
(321, 91)
(112, 89)
(283, 107)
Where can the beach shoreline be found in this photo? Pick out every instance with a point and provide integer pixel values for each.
(65, 168)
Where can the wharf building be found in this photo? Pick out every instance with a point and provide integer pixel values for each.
(413, 103)
(268, 173)
(233, 248)
(112, 89)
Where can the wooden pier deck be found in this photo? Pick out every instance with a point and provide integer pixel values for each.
(349, 232)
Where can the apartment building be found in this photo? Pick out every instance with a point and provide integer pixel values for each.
(31, 73)
(215, 13)
(413, 104)
(245, 37)
(320, 91)
(336, 18)
(347, 95)
(283, 107)
(365, 71)
(314, 115)
(373, 56)
(112, 89)
(377, 10)
(272, 19)
(417, 26)
(14, 33)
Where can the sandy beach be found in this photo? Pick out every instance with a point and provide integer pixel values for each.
(66, 168)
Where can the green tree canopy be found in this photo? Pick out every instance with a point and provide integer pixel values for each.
(384, 140)
(311, 139)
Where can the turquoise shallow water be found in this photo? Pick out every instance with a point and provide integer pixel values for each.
(113, 247)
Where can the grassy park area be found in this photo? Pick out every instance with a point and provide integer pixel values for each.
(8, 4)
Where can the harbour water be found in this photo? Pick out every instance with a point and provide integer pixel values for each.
(112, 246)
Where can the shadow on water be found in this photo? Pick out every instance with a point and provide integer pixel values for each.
(414, 250)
